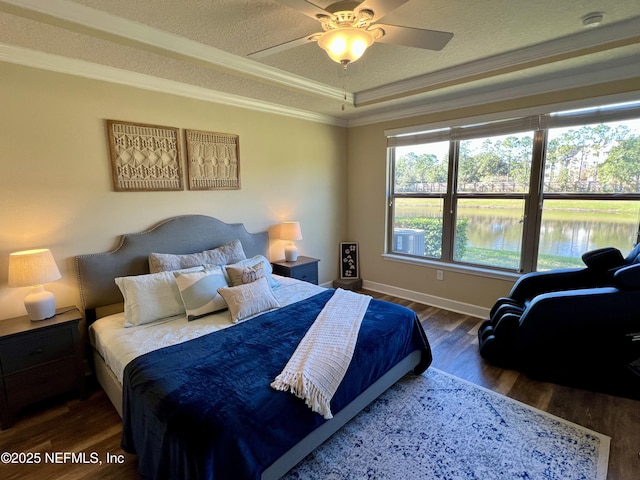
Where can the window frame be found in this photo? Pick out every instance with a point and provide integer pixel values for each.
(540, 124)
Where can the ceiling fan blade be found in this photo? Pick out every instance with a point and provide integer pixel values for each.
(414, 37)
(308, 8)
(380, 7)
(282, 47)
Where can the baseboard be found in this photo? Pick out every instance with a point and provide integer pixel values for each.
(439, 302)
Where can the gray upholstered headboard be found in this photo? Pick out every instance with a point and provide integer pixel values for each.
(179, 235)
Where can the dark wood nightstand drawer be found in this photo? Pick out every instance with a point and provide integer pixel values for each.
(308, 273)
(304, 268)
(26, 351)
(41, 382)
(39, 360)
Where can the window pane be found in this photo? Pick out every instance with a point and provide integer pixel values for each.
(601, 158)
(417, 226)
(572, 227)
(500, 164)
(421, 168)
(489, 232)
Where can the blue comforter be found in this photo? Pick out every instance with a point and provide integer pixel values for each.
(204, 408)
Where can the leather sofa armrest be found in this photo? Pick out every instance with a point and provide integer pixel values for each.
(627, 278)
(603, 259)
(563, 317)
(532, 284)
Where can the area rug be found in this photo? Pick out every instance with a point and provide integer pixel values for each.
(437, 426)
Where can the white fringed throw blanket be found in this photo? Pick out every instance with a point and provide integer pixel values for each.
(319, 363)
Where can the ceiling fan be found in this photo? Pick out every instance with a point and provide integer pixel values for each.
(350, 27)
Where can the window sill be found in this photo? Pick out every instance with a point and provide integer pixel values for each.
(465, 269)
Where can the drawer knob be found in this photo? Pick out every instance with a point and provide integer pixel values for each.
(37, 351)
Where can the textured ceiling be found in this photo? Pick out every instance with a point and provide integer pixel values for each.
(499, 46)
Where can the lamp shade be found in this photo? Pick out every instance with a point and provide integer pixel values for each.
(346, 44)
(290, 231)
(32, 267)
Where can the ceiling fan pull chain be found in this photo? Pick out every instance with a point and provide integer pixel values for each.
(344, 84)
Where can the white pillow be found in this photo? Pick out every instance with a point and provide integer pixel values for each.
(150, 297)
(199, 291)
(234, 275)
(249, 299)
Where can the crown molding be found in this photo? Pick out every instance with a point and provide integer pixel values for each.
(598, 39)
(112, 27)
(615, 70)
(81, 68)
(620, 69)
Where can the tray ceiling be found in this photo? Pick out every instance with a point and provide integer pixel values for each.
(200, 47)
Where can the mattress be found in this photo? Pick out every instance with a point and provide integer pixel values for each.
(119, 345)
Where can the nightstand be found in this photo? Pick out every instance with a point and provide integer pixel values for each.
(39, 360)
(305, 268)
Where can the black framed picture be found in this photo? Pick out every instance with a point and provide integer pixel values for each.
(349, 260)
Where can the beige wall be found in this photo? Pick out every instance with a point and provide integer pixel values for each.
(367, 207)
(56, 189)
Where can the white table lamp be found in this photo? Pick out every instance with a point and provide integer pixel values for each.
(290, 231)
(32, 268)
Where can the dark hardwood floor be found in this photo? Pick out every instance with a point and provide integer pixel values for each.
(93, 427)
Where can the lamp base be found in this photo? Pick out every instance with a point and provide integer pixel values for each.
(40, 304)
(290, 253)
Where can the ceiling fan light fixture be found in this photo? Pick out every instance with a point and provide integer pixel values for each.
(345, 44)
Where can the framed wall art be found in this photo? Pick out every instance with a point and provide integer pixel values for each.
(144, 157)
(213, 160)
(349, 267)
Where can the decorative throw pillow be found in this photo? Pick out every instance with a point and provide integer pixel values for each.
(150, 297)
(231, 252)
(245, 274)
(250, 299)
(199, 291)
(250, 270)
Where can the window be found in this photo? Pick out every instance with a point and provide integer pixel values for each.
(421, 183)
(524, 194)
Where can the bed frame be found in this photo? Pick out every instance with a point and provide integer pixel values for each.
(191, 234)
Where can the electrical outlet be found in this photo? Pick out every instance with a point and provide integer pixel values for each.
(439, 275)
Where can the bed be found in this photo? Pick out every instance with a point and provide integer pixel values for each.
(194, 392)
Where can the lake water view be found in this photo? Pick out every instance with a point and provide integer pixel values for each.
(566, 238)
(565, 234)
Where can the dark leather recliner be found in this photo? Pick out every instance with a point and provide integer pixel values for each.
(579, 327)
